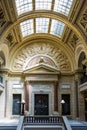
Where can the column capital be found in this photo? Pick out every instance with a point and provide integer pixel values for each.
(78, 75)
(84, 62)
(26, 82)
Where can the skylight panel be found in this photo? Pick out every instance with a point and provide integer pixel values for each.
(57, 27)
(43, 4)
(42, 25)
(27, 27)
(63, 6)
(23, 6)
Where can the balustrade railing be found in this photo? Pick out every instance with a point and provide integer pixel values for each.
(43, 119)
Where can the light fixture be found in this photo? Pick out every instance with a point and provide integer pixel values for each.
(62, 101)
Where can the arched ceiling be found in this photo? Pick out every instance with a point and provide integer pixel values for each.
(24, 21)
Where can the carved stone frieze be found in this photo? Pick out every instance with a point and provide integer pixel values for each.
(83, 21)
(73, 40)
(11, 38)
(1, 61)
(2, 18)
(32, 54)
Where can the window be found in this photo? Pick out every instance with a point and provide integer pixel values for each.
(1, 79)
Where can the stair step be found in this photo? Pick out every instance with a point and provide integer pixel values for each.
(43, 127)
(79, 127)
(8, 127)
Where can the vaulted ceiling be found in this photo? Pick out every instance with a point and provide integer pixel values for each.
(55, 30)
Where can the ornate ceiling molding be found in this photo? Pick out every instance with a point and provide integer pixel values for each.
(49, 15)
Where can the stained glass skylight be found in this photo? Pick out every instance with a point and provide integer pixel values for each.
(42, 25)
(23, 6)
(63, 6)
(43, 4)
(27, 27)
(57, 27)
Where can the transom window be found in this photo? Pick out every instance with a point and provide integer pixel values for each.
(42, 25)
(60, 6)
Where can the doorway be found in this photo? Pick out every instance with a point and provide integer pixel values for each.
(16, 110)
(86, 108)
(41, 104)
(66, 105)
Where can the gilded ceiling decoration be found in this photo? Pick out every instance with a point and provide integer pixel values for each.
(52, 56)
(83, 21)
(2, 19)
(73, 41)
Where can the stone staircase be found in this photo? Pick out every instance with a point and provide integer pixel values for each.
(8, 124)
(78, 125)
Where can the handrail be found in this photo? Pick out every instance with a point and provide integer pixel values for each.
(20, 123)
(66, 123)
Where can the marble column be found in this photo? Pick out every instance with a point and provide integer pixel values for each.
(77, 83)
(5, 98)
(56, 96)
(26, 95)
(77, 104)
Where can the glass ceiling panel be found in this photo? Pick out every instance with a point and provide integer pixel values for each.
(43, 4)
(63, 6)
(57, 27)
(23, 6)
(27, 27)
(42, 25)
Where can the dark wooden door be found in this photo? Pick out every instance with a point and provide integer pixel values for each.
(66, 105)
(16, 104)
(41, 104)
(86, 108)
